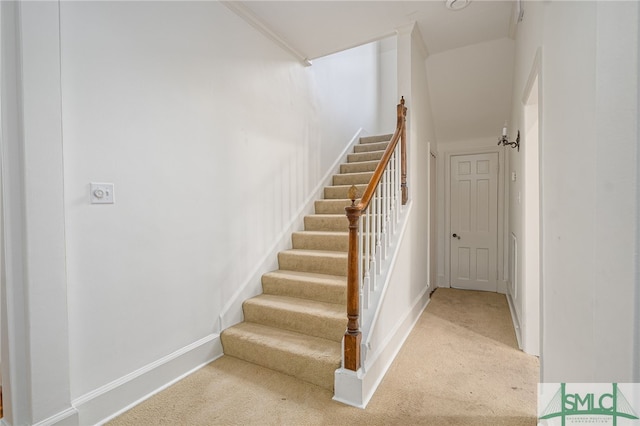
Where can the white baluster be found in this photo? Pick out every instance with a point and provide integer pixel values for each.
(385, 212)
(378, 219)
(364, 277)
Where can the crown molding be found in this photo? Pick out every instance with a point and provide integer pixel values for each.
(248, 16)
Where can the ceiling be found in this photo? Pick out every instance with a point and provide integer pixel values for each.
(312, 29)
(319, 28)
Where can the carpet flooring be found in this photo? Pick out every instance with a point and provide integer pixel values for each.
(459, 366)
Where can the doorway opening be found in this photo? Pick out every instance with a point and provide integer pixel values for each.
(531, 215)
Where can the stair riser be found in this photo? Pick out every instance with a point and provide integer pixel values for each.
(334, 223)
(324, 223)
(375, 139)
(318, 264)
(328, 327)
(352, 179)
(332, 206)
(341, 192)
(330, 242)
(304, 289)
(368, 147)
(364, 156)
(359, 167)
(319, 372)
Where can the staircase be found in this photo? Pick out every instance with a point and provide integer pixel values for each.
(296, 325)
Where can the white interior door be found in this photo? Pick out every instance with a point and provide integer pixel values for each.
(474, 221)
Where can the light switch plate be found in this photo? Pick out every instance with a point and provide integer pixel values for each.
(101, 193)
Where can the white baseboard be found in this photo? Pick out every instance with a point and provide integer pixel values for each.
(502, 287)
(357, 388)
(105, 403)
(68, 417)
(442, 282)
(514, 319)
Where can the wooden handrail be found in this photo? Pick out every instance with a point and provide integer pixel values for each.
(353, 335)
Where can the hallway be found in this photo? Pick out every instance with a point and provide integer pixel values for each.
(459, 366)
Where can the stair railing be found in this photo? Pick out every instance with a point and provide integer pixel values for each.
(369, 238)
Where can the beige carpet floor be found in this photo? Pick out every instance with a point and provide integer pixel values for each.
(459, 366)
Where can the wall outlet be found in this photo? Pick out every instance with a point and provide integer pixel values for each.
(101, 193)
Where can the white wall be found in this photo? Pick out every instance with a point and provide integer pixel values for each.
(528, 40)
(388, 72)
(213, 137)
(406, 290)
(589, 140)
(471, 90)
(598, 107)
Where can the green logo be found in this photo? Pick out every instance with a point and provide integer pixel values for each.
(587, 404)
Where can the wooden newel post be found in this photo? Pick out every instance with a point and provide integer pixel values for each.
(352, 336)
(402, 121)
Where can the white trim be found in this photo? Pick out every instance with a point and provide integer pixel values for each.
(531, 297)
(534, 74)
(357, 388)
(245, 13)
(503, 287)
(502, 223)
(14, 328)
(514, 319)
(379, 37)
(231, 313)
(432, 196)
(442, 281)
(112, 399)
(66, 417)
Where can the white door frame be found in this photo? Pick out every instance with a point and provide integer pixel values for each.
(433, 224)
(532, 243)
(500, 277)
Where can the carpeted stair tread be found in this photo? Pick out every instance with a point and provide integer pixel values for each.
(364, 156)
(306, 285)
(376, 138)
(308, 358)
(352, 178)
(359, 166)
(373, 146)
(342, 191)
(321, 240)
(317, 261)
(327, 222)
(319, 319)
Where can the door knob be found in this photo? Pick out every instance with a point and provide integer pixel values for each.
(456, 236)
